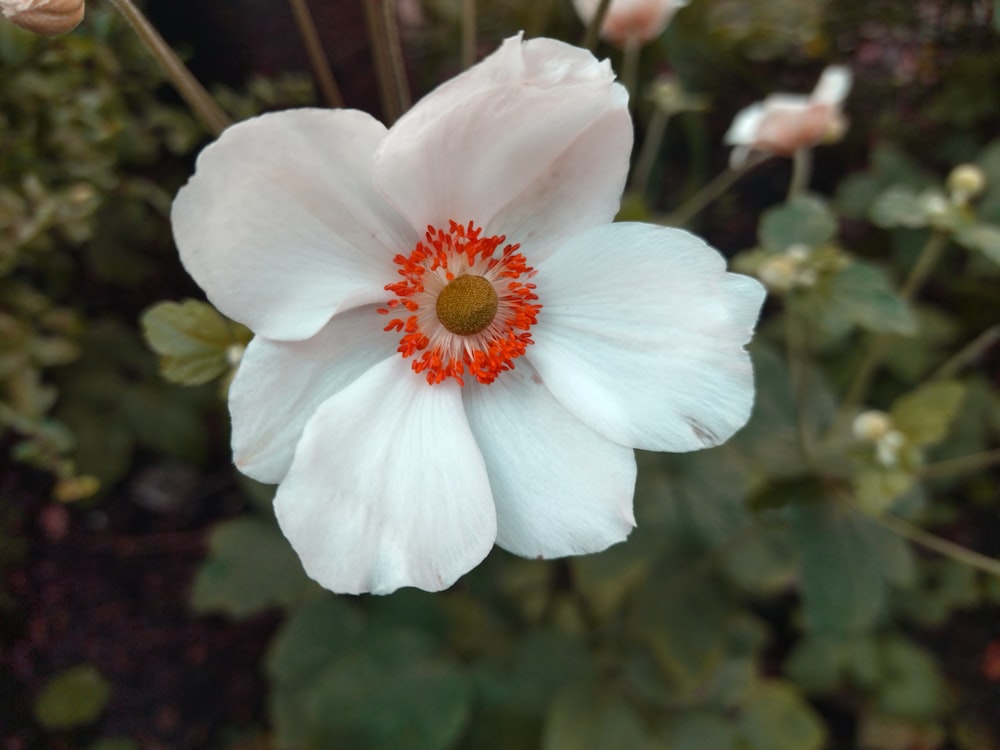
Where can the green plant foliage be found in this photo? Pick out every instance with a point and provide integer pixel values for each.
(195, 343)
(249, 567)
(73, 698)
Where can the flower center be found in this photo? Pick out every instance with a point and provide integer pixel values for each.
(465, 304)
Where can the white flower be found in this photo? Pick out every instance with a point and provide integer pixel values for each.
(638, 21)
(454, 346)
(47, 17)
(784, 123)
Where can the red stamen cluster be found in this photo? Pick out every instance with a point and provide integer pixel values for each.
(438, 260)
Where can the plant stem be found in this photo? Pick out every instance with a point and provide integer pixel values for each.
(630, 68)
(962, 465)
(967, 353)
(393, 88)
(711, 191)
(594, 27)
(468, 33)
(650, 149)
(801, 172)
(925, 263)
(204, 107)
(940, 545)
(314, 51)
(795, 340)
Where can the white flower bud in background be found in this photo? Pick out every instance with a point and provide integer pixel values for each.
(965, 182)
(787, 270)
(875, 427)
(871, 425)
(48, 17)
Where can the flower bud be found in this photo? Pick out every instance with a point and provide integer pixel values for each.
(965, 182)
(872, 425)
(48, 17)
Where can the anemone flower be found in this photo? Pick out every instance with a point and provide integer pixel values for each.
(784, 123)
(630, 21)
(49, 17)
(454, 346)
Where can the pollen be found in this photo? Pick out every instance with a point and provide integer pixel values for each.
(465, 304)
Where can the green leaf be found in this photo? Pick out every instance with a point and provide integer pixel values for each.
(925, 414)
(250, 566)
(984, 238)
(72, 699)
(385, 695)
(804, 220)
(699, 731)
(587, 717)
(843, 585)
(192, 339)
(777, 717)
(911, 685)
(683, 621)
(863, 294)
(899, 207)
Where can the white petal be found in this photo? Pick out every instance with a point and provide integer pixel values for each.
(473, 145)
(388, 488)
(833, 86)
(641, 336)
(560, 488)
(281, 224)
(743, 131)
(580, 189)
(281, 384)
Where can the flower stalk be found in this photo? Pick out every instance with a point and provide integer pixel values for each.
(314, 51)
(394, 90)
(205, 108)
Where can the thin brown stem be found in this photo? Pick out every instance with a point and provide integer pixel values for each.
(722, 182)
(388, 58)
(469, 33)
(594, 27)
(314, 51)
(929, 257)
(204, 107)
(962, 465)
(940, 545)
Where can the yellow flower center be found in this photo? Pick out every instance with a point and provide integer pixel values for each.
(467, 305)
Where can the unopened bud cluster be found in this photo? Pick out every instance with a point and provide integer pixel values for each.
(788, 270)
(875, 428)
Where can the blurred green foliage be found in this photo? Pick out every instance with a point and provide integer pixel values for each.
(772, 596)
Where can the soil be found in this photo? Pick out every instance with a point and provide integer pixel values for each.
(108, 586)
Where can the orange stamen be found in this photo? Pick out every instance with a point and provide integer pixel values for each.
(436, 261)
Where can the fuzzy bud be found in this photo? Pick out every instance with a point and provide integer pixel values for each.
(48, 17)
(965, 182)
(870, 426)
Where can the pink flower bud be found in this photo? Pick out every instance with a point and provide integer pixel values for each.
(640, 21)
(48, 17)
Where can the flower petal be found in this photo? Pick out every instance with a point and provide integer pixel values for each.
(641, 336)
(474, 144)
(580, 189)
(388, 488)
(282, 226)
(280, 384)
(833, 86)
(560, 488)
